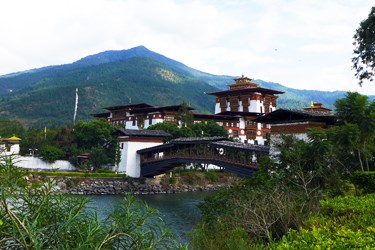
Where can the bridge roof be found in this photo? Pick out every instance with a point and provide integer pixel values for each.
(219, 117)
(215, 141)
(239, 113)
(242, 146)
(142, 133)
(183, 140)
(196, 140)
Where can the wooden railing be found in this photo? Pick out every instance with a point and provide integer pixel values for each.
(210, 157)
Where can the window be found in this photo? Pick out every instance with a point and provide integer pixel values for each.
(169, 118)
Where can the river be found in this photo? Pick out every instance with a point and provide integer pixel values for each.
(180, 211)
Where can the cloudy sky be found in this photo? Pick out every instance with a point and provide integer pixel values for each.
(304, 44)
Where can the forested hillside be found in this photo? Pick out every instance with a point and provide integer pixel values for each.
(46, 96)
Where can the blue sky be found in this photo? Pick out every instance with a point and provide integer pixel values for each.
(304, 44)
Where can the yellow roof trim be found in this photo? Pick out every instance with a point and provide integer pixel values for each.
(14, 138)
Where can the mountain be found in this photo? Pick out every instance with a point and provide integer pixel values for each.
(297, 98)
(46, 96)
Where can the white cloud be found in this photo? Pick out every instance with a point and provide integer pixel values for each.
(299, 43)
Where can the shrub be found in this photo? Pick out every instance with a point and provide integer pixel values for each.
(220, 236)
(51, 153)
(212, 176)
(343, 223)
(192, 178)
(32, 217)
(108, 171)
(364, 181)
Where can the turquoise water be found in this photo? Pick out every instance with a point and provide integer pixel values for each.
(179, 211)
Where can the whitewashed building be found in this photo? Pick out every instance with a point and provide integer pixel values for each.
(132, 140)
(246, 100)
(235, 110)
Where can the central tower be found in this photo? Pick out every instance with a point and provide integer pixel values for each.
(247, 100)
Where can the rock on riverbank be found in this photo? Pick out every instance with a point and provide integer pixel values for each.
(112, 186)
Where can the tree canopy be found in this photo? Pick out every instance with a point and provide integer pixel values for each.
(364, 51)
(200, 129)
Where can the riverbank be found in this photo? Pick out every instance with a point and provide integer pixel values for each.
(184, 182)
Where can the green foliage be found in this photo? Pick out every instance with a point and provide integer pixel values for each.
(101, 85)
(65, 143)
(358, 114)
(364, 44)
(33, 217)
(195, 130)
(212, 175)
(184, 116)
(208, 129)
(108, 82)
(105, 171)
(221, 237)
(364, 180)
(280, 196)
(80, 174)
(192, 178)
(8, 128)
(91, 134)
(51, 153)
(343, 223)
(169, 127)
(98, 139)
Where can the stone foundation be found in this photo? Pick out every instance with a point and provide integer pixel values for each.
(120, 186)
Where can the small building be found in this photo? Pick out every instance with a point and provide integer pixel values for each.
(297, 122)
(317, 107)
(132, 140)
(10, 146)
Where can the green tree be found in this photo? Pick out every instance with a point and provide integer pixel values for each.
(94, 133)
(50, 153)
(208, 129)
(358, 110)
(169, 127)
(97, 137)
(184, 115)
(32, 141)
(9, 128)
(364, 51)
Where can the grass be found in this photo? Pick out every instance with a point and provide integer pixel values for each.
(80, 174)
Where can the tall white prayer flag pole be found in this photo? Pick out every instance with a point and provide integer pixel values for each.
(76, 107)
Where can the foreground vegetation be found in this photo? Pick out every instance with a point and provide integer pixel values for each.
(342, 223)
(31, 217)
(314, 194)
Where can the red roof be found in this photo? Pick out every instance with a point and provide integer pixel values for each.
(246, 91)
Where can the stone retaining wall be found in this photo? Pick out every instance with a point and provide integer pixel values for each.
(112, 186)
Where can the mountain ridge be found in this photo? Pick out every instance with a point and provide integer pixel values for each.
(45, 96)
